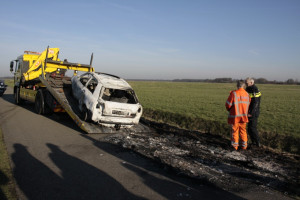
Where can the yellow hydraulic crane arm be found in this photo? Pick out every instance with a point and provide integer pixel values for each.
(52, 53)
(49, 62)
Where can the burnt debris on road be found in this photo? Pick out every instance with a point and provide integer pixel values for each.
(209, 158)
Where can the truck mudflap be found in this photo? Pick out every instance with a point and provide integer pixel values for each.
(65, 98)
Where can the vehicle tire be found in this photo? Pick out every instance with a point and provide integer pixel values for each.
(86, 114)
(1, 94)
(39, 105)
(48, 110)
(17, 97)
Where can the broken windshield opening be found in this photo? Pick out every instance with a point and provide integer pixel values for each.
(120, 96)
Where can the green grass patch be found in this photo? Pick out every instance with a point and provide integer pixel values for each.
(7, 186)
(201, 106)
(9, 82)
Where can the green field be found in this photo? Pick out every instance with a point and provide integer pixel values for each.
(201, 106)
(9, 82)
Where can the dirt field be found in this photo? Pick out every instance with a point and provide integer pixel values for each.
(209, 158)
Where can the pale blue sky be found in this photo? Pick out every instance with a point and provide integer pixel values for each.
(160, 39)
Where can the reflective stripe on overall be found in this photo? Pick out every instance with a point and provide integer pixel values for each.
(238, 117)
(238, 131)
(236, 104)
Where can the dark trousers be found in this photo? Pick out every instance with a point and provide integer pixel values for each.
(252, 130)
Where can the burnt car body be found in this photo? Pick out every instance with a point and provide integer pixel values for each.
(2, 87)
(106, 99)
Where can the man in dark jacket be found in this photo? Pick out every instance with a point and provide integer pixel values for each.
(253, 111)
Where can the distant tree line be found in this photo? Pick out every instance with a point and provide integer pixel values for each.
(216, 80)
(230, 80)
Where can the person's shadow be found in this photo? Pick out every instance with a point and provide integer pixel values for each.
(172, 185)
(78, 180)
(3, 181)
(85, 180)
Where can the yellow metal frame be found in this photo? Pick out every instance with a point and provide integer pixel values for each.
(65, 105)
(37, 64)
(28, 94)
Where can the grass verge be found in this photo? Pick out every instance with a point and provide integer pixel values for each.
(7, 186)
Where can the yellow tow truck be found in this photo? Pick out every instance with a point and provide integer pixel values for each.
(41, 78)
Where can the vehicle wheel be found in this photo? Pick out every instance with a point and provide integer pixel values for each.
(18, 99)
(39, 104)
(1, 94)
(48, 110)
(86, 114)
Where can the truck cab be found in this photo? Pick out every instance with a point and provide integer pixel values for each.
(22, 64)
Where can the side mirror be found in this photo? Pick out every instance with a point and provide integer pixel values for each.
(11, 66)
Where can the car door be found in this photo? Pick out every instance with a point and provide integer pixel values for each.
(79, 88)
(90, 89)
(84, 92)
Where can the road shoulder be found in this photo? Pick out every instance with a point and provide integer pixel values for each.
(7, 184)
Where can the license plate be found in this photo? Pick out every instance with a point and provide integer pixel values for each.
(119, 112)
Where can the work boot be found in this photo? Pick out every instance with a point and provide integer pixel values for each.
(233, 148)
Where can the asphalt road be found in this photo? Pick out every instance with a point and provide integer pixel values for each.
(52, 158)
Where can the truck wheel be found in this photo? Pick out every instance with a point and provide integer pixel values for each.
(17, 97)
(39, 104)
(48, 100)
(86, 114)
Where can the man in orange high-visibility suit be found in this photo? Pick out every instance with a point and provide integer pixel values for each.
(238, 104)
